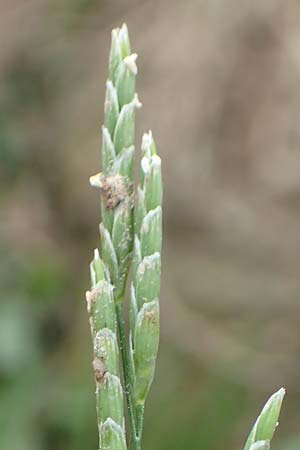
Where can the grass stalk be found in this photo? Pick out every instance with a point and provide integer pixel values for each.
(126, 373)
(140, 422)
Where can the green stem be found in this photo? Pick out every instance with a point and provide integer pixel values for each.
(126, 371)
(140, 422)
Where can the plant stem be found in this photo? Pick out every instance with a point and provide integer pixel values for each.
(125, 364)
(140, 422)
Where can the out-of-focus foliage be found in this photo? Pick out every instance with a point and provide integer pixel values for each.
(221, 83)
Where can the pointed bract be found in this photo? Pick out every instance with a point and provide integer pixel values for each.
(267, 421)
(97, 269)
(146, 341)
(124, 41)
(137, 258)
(102, 307)
(112, 436)
(115, 56)
(151, 232)
(139, 211)
(133, 309)
(108, 151)
(106, 349)
(124, 166)
(122, 231)
(111, 108)
(125, 81)
(125, 127)
(148, 280)
(109, 398)
(108, 253)
(153, 184)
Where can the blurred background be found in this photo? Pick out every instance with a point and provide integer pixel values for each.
(219, 81)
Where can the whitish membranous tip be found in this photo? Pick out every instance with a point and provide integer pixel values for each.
(96, 180)
(130, 62)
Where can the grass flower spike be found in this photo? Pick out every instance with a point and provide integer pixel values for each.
(109, 272)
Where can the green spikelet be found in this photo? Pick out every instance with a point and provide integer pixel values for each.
(146, 339)
(101, 308)
(112, 436)
(145, 289)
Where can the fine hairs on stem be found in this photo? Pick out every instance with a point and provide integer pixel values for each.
(131, 237)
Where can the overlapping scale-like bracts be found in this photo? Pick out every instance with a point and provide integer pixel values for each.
(116, 180)
(109, 272)
(109, 394)
(145, 286)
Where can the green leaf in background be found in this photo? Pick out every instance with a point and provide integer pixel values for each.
(267, 421)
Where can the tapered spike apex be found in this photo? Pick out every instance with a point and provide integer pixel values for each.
(115, 56)
(124, 41)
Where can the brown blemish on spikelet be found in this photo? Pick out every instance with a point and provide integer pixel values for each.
(114, 191)
(99, 369)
